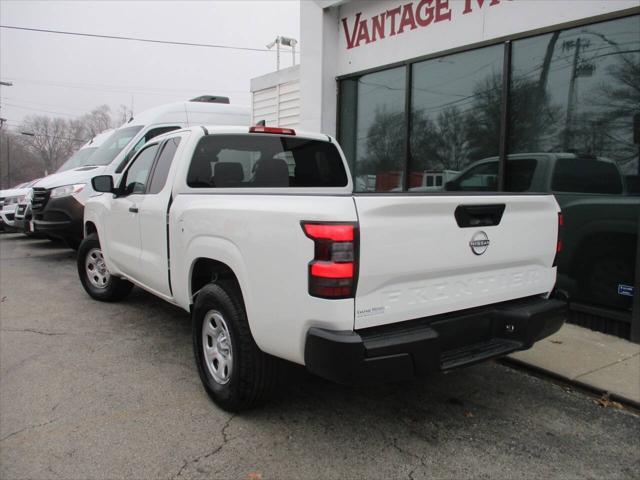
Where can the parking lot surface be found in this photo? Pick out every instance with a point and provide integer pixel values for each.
(94, 390)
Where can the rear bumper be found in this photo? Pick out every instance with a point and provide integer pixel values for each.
(418, 347)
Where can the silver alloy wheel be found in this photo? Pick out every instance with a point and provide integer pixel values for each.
(216, 344)
(96, 269)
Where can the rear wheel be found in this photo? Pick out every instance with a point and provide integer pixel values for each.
(94, 275)
(235, 373)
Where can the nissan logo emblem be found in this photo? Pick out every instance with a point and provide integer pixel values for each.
(479, 243)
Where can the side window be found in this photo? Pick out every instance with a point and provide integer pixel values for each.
(483, 177)
(138, 174)
(154, 132)
(163, 165)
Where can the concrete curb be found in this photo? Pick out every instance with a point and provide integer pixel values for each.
(510, 361)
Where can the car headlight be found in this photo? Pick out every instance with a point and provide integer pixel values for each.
(67, 190)
(29, 196)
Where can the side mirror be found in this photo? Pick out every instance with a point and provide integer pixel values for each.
(102, 183)
(450, 185)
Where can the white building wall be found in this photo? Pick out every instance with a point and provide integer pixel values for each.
(324, 45)
(276, 98)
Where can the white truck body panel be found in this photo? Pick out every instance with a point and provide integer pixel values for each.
(261, 239)
(415, 261)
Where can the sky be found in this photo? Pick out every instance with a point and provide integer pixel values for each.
(67, 76)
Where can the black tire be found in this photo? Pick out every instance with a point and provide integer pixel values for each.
(113, 288)
(254, 375)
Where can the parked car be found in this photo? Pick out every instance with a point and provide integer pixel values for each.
(9, 201)
(257, 232)
(58, 201)
(600, 218)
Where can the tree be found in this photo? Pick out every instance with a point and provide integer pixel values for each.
(17, 163)
(385, 143)
(49, 140)
(609, 131)
(54, 140)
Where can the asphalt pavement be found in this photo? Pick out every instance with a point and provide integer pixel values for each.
(93, 390)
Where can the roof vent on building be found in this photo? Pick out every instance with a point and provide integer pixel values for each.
(210, 99)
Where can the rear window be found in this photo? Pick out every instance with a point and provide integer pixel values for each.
(259, 161)
(580, 175)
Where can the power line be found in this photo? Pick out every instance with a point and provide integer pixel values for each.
(30, 103)
(134, 39)
(40, 110)
(137, 90)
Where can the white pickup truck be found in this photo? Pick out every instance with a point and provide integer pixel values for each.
(257, 232)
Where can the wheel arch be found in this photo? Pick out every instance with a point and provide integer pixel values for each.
(89, 228)
(205, 270)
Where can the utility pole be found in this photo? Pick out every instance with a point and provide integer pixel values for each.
(572, 100)
(9, 161)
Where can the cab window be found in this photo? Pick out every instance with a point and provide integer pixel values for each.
(135, 180)
(161, 170)
(154, 132)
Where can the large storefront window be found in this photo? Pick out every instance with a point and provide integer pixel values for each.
(380, 131)
(455, 120)
(574, 95)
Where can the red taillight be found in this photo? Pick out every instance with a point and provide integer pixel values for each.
(332, 272)
(336, 233)
(274, 130)
(559, 241)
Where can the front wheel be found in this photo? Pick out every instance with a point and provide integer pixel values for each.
(235, 373)
(95, 276)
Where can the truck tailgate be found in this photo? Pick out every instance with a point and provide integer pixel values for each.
(418, 260)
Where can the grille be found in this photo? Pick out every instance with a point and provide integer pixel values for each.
(40, 199)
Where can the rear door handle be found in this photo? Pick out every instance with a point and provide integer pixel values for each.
(473, 216)
(133, 209)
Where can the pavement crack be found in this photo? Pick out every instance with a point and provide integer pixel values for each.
(33, 330)
(606, 366)
(29, 427)
(211, 453)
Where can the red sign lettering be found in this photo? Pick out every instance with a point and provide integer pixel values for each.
(468, 9)
(407, 17)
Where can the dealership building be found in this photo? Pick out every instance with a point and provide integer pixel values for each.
(429, 97)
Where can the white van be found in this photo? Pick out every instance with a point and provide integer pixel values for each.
(58, 200)
(82, 155)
